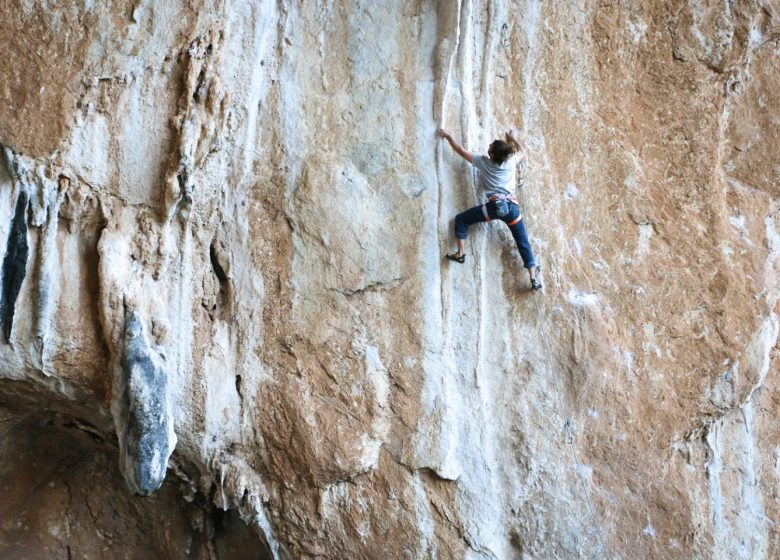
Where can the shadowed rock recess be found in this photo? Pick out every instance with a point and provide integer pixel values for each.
(229, 330)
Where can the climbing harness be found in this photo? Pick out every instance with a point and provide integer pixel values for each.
(507, 197)
(567, 426)
(502, 203)
(502, 207)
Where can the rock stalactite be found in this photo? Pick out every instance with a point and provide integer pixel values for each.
(142, 410)
(14, 264)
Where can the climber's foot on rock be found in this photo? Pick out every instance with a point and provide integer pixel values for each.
(536, 281)
(457, 257)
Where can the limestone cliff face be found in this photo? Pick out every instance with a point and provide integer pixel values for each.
(223, 235)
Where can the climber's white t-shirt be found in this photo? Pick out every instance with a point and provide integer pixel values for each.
(495, 178)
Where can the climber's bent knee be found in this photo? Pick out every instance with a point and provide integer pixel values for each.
(461, 226)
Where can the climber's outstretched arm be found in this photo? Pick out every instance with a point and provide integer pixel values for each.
(517, 141)
(455, 146)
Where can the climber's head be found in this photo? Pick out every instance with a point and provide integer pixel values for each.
(500, 151)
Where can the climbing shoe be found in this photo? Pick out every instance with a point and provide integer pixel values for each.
(454, 257)
(536, 283)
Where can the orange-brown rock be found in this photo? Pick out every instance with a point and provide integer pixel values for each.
(224, 230)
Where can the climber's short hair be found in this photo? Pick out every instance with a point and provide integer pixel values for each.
(500, 151)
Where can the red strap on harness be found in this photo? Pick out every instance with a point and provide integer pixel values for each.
(513, 222)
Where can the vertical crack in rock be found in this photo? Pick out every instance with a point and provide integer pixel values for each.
(142, 410)
(441, 428)
(444, 70)
(479, 112)
(14, 264)
(219, 271)
(220, 266)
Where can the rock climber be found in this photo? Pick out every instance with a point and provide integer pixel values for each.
(496, 174)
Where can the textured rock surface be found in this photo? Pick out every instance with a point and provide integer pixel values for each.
(142, 410)
(256, 189)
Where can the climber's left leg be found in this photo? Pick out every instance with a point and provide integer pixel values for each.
(516, 226)
(523, 245)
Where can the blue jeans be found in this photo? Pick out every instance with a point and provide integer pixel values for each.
(475, 216)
